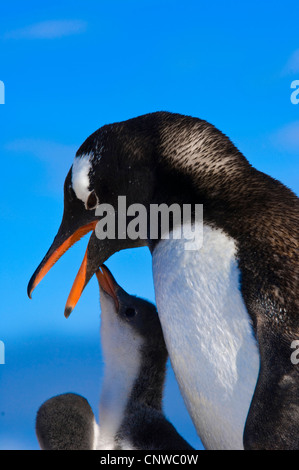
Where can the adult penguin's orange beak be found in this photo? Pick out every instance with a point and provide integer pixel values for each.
(97, 252)
(62, 242)
(76, 222)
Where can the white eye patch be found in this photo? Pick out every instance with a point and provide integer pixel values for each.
(80, 179)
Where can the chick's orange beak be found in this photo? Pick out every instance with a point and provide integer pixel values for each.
(107, 283)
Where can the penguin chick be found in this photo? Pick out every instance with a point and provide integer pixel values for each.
(66, 422)
(131, 415)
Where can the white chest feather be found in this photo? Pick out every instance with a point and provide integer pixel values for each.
(208, 334)
(121, 348)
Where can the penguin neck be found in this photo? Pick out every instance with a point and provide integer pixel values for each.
(147, 390)
(195, 149)
(145, 401)
(210, 173)
(130, 381)
(198, 164)
(122, 366)
(133, 374)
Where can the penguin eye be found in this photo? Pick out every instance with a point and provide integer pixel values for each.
(130, 312)
(92, 201)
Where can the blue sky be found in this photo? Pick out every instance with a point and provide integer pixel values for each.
(68, 68)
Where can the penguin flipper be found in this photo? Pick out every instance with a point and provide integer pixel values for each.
(273, 418)
(65, 422)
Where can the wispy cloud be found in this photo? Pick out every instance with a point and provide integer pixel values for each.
(287, 137)
(50, 29)
(292, 65)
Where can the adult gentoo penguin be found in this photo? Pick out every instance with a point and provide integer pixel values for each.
(131, 416)
(229, 309)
